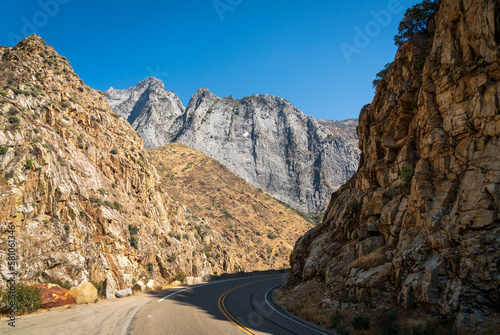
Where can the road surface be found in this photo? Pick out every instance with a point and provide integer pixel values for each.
(234, 306)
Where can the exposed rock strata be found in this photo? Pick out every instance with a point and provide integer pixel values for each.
(83, 195)
(432, 243)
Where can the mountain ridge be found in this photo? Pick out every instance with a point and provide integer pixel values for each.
(212, 125)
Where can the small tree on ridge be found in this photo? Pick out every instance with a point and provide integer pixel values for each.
(415, 20)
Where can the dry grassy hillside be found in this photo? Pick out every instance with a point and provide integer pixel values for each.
(260, 230)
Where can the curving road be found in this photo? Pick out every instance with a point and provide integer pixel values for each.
(235, 306)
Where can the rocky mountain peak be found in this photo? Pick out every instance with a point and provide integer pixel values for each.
(262, 138)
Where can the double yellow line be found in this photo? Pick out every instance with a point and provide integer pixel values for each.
(225, 312)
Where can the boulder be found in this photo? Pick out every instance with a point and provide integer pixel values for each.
(84, 293)
(151, 285)
(54, 296)
(109, 288)
(124, 293)
(139, 286)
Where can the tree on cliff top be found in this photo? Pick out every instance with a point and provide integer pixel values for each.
(415, 20)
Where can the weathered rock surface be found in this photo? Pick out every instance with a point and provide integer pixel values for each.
(86, 201)
(431, 241)
(54, 296)
(149, 108)
(345, 128)
(109, 287)
(124, 293)
(138, 287)
(262, 138)
(85, 293)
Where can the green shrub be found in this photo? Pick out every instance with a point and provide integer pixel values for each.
(63, 284)
(361, 322)
(36, 139)
(114, 151)
(29, 165)
(27, 299)
(95, 200)
(134, 241)
(206, 251)
(102, 191)
(175, 234)
(181, 276)
(381, 75)
(339, 201)
(151, 267)
(421, 64)
(14, 120)
(171, 258)
(3, 150)
(116, 205)
(271, 235)
(50, 61)
(3, 93)
(133, 230)
(99, 287)
(354, 206)
(407, 174)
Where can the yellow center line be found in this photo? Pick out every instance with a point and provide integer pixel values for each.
(225, 312)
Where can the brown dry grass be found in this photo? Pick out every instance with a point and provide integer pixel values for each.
(259, 229)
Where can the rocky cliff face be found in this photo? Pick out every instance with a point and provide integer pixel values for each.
(418, 225)
(345, 128)
(85, 199)
(262, 138)
(153, 111)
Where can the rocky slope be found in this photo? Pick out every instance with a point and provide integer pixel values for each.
(262, 138)
(261, 231)
(345, 128)
(418, 226)
(85, 198)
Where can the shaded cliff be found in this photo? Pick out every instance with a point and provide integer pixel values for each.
(418, 226)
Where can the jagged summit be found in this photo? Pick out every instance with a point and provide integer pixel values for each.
(262, 138)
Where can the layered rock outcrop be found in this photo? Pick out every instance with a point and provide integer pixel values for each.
(262, 138)
(86, 201)
(418, 225)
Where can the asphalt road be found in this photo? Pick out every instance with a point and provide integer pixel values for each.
(234, 306)
(237, 306)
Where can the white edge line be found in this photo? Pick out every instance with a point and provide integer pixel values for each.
(124, 330)
(209, 283)
(289, 318)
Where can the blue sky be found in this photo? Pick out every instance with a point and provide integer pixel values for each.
(321, 55)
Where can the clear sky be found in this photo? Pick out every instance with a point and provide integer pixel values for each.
(321, 55)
